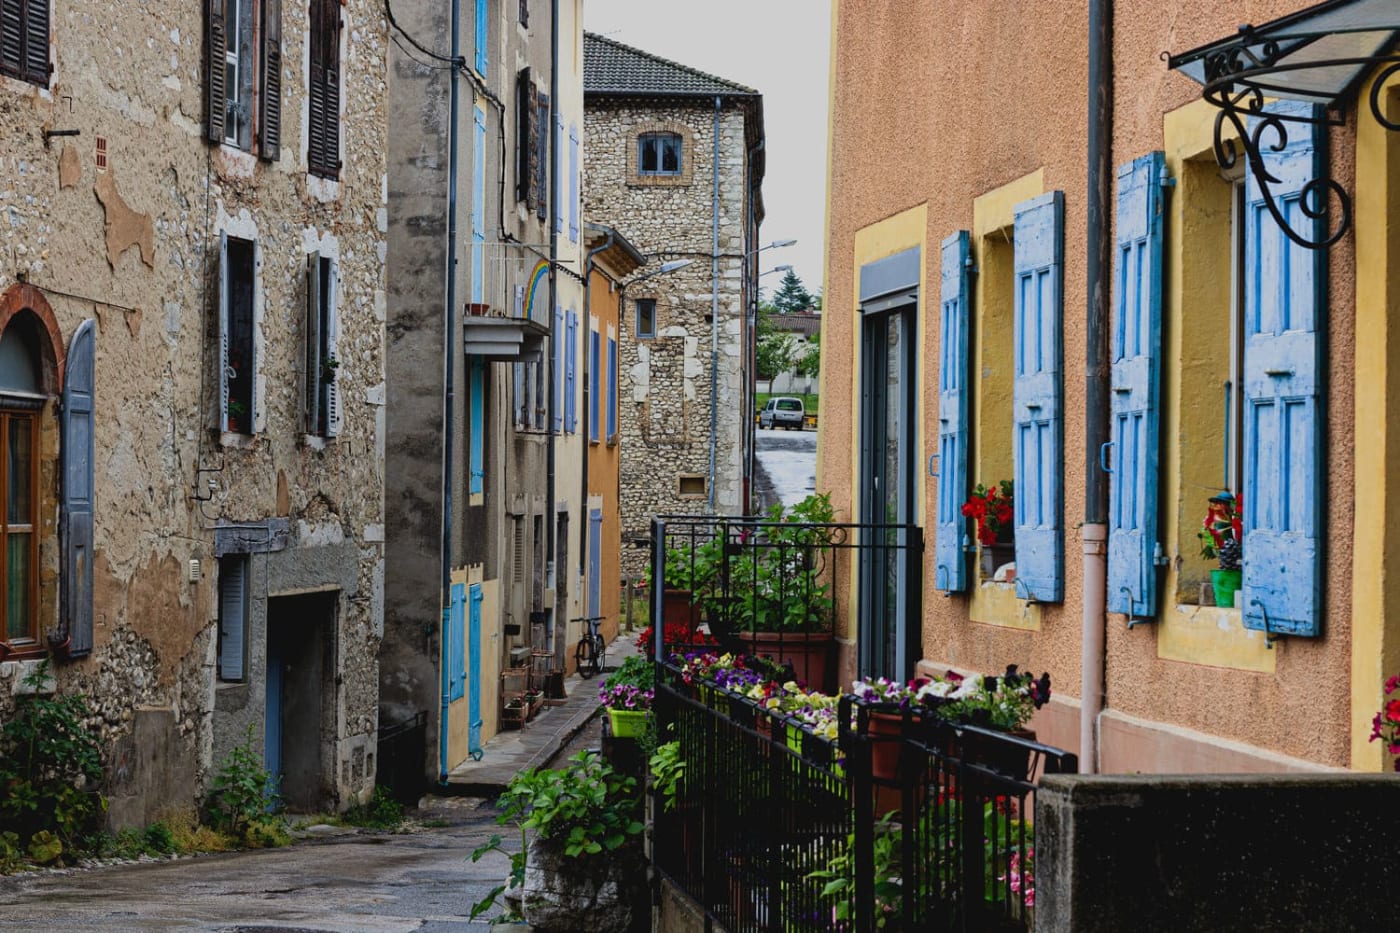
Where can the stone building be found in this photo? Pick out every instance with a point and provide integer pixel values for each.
(191, 332)
(486, 510)
(675, 159)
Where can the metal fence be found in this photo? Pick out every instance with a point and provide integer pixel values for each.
(904, 823)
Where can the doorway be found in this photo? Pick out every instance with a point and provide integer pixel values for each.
(299, 725)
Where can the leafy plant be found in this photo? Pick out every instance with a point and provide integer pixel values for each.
(242, 792)
(667, 771)
(994, 509)
(266, 833)
(50, 766)
(840, 877)
(585, 808)
(11, 855)
(381, 812)
(516, 878)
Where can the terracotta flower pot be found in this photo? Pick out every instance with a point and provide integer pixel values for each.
(808, 652)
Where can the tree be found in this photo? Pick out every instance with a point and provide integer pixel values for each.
(774, 350)
(810, 363)
(792, 294)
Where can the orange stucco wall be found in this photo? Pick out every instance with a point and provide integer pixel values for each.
(938, 103)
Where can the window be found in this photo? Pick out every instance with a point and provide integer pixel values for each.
(233, 618)
(24, 41)
(612, 388)
(19, 543)
(322, 331)
(323, 116)
(691, 486)
(541, 163)
(238, 364)
(526, 149)
(659, 154)
(594, 378)
(244, 79)
(570, 372)
(646, 317)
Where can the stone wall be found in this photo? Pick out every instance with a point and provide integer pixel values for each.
(134, 243)
(664, 409)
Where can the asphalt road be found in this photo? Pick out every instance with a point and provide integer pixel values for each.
(359, 883)
(786, 470)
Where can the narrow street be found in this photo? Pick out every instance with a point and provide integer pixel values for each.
(787, 466)
(362, 881)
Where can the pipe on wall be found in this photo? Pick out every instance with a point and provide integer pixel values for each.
(714, 306)
(449, 364)
(1096, 381)
(551, 512)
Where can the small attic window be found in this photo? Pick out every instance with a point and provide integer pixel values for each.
(659, 154)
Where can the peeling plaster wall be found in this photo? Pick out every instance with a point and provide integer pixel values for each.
(664, 382)
(136, 247)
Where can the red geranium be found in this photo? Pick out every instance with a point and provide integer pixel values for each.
(995, 512)
(1386, 724)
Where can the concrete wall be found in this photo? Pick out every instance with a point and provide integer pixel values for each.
(135, 246)
(665, 381)
(1195, 674)
(1224, 853)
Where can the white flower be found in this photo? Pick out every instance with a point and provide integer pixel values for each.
(970, 687)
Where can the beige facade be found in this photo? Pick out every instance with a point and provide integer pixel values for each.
(115, 205)
(1193, 688)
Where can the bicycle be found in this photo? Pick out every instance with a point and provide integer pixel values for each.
(591, 649)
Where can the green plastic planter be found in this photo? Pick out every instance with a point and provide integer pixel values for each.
(627, 723)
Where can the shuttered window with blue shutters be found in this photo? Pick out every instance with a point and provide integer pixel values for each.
(573, 182)
(612, 389)
(477, 429)
(1282, 488)
(570, 372)
(456, 643)
(479, 205)
(558, 382)
(594, 385)
(1038, 419)
(482, 37)
(78, 457)
(950, 574)
(1136, 388)
(233, 617)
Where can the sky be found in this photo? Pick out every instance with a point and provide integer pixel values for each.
(779, 47)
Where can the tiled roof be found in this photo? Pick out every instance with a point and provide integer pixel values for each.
(613, 68)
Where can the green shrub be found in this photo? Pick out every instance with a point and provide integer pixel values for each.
(266, 833)
(381, 812)
(242, 792)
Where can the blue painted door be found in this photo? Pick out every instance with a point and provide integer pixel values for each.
(1037, 419)
(950, 574)
(595, 562)
(474, 673)
(456, 647)
(1136, 354)
(1282, 486)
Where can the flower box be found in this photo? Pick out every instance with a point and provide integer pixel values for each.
(628, 724)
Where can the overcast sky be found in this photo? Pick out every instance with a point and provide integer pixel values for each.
(779, 47)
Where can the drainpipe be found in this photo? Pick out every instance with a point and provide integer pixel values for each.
(587, 393)
(714, 307)
(552, 514)
(449, 361)
(1096, 382)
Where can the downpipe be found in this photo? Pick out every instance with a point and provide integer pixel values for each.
(1091, 660)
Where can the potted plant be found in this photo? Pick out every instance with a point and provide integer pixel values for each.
(1222, 537)
(627, 695)
(994, 510)
(1386, 724)
(575, 869)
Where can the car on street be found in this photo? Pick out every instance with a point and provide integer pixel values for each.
(782, 412)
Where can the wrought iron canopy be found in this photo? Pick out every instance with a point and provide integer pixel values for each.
(1319, 55)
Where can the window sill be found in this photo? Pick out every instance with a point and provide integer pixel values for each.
(237, 441)
(316, 441)
(1213, 636)
(997, 603)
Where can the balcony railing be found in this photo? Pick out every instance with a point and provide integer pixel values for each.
(904, 822)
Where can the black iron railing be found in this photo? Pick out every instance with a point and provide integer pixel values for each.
(904, 822)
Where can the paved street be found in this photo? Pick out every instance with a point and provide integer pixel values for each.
(361, 882)
(787, 466)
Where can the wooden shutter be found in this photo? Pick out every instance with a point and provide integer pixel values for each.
(541, 138)
(456, 643)
(77, 500)
(573, 183)
(595, 562)
(1037, 420)
(478, 204)
(312, 400)
(558, 177)
(270, 81)
(571, 372)
(524, 140)
(12, 37)
(612, 388)
(950, 573)
(595, 381)
(216, 50)
(558, 339)
(36, 42)
(323, 117)
(233, 613)
(1282, 487)
(476, 430)
(1136, 388)
(224, 272)
(482, 37)
(332, 326)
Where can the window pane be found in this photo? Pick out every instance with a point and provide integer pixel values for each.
(19, 510)
(671, 155)
(17, 586)
(647, 154)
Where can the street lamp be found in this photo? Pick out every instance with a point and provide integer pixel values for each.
(775, 269)
(671, 266)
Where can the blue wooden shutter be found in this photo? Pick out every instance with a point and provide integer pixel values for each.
(473, 675)
(558, 173)
(595, 562)
(477, 428)
(558, 387)
(456, 643)
(594, 385)
(571, 372)
(573, 183)
(479, 205)
(78, 456)
(481, 37)
(1282, 487)
(612, 388)
(233, 615)
(1136, 387)
(950, 574)
(1037, 422)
